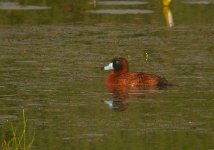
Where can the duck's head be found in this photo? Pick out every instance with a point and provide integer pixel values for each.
(118, 64)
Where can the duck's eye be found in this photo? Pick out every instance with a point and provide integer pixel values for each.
(117, 65)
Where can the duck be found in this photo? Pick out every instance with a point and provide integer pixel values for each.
(121, 76)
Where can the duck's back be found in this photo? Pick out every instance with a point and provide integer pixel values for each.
(137, 79)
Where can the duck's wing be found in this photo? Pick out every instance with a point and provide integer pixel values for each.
(148, 79)
(141, 78)
(135, 78)
(152, 79)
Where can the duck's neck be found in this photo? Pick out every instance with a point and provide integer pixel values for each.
(113, 77)
(116, 74)
(123, 71)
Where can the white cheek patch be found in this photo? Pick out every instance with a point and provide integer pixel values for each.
(109, 67)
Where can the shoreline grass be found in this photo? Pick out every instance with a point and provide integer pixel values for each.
(18, 142)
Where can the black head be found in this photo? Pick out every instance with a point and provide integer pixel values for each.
(118, 63)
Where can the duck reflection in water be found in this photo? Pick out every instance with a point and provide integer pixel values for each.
(126, 85)
(122, 95)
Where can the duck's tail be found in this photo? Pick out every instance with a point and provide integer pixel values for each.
(163, 82)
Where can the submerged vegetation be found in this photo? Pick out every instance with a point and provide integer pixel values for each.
(18, 142)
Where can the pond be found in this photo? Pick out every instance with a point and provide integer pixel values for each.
(51, 55)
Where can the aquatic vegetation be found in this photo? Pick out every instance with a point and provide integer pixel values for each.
(146, 56)
(18, 142)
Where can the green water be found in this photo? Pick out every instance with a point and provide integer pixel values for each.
(50, 63)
